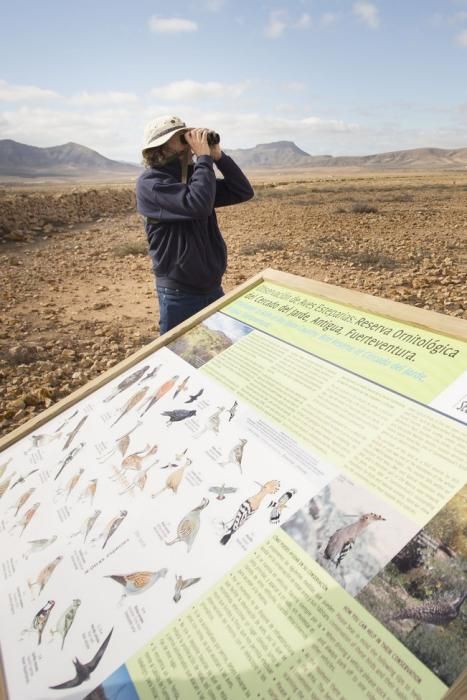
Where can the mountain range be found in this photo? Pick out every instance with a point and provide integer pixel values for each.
(71, 160)
(287, 155)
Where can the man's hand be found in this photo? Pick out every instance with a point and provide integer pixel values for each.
(197, 139)
(216, 151)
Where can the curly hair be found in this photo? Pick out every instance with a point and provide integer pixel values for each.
(154, 157)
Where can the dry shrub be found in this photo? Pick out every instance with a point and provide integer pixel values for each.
(262, 245)
(364, 208)
(332, 249)
(131, 248)
(399, 197)
(273, 191)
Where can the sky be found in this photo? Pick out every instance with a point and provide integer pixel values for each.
(338, 77)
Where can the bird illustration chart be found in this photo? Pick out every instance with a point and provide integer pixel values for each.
(121, 511)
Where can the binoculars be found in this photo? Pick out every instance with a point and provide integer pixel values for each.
(213, 138)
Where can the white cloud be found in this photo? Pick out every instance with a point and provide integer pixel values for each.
(117, 132)
(367, 12)
(461, 39)
(303, 22)
(171, 25)
(21, 93)
(193, 90)
(110, 132)
(276, 24)
(328, 18)
(103, 98)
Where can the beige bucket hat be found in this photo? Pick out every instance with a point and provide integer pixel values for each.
(160, 130)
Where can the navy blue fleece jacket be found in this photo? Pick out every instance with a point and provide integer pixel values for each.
(185, 243)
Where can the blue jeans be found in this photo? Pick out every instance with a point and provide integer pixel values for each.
(176, 305)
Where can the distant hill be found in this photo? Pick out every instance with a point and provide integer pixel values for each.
(69, 160)
(266, 155)
(285, 154)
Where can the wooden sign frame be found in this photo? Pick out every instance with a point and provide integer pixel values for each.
(421, 318)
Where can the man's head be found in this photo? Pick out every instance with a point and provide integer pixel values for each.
(163, 134)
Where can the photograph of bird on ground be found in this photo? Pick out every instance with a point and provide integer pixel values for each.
(420, 594)
(350, 531)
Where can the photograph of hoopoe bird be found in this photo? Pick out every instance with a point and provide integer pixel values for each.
(342, 541)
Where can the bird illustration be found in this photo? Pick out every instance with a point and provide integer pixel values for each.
(26, 519)
(133, 401)
(38, 545)
(66, 620)
(40, 619)
(90, 522)
(193, 397)
(22, 500)
(232, 410)
(83, 671)
(112, 527)
(22, 479)
(222, 490)
(45, 574)
(67, 420)
(71, 455)
(138, 581)
(4, 466)
(250, 506)
(140, 479)
(213, 422)
(151, 374)
(279, 505)
(44, 439)
(178, 415)
(180, 387)
(121, 444)
(174, 479)
(135, 460)
(71, 435)
(188, 526)
(181, 584)
(89, 491)
(87, 526)
(159, 393)
(5, 484)
(235, 455)
(342, 541)
(126, 383)
(71, 484)
(440, 611)
(177, 459)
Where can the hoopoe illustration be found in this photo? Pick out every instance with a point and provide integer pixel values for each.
(249, 507)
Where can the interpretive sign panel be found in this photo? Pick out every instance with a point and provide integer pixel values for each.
(267, 502)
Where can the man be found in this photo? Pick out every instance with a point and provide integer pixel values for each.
(178, 201)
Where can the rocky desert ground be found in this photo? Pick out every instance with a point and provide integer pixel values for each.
(77, 288)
